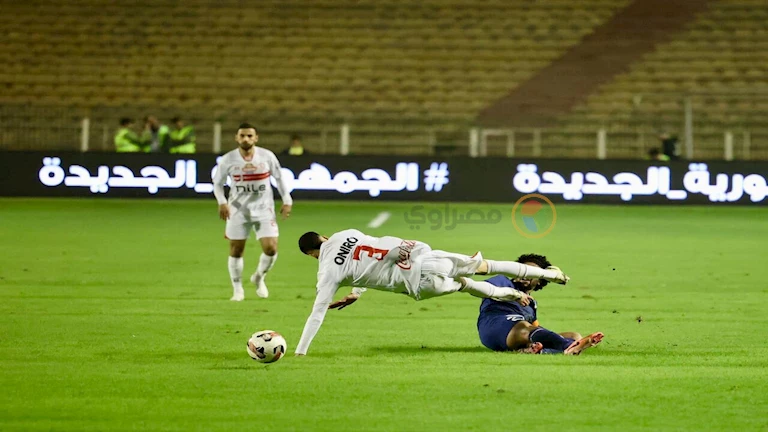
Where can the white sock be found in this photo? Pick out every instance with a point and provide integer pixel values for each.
(487, 290)
(265, 263)
(518, 270)
(235, 266)
(477, 288)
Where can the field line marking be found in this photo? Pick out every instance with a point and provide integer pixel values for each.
(379, 220)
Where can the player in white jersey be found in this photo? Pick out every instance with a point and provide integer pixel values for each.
(352, 258)
(251, 206)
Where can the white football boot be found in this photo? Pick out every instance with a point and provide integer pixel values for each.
(238, 295)
(261, 287)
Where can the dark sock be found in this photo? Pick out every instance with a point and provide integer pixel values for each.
(551, 351)
(549, 339)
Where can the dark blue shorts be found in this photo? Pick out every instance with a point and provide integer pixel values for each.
(493, 329)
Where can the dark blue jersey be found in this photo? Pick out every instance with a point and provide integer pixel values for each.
(495, 307)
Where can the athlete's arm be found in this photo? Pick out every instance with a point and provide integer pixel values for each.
(218, 191)
(325, 291)
(282, 187)
(348, 300)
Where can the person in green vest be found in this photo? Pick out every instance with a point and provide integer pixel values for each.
(156, 134)
(181, 138)
(296, 148)
(655, 154)
(127, 140)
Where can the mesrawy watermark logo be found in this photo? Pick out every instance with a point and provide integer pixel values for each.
(449, 217)
(534, 216)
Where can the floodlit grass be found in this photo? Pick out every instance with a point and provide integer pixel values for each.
(114, 315)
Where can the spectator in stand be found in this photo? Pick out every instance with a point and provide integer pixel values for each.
(127, 140)
(669, 146)
(296, 148)
(182, 138)
(156, 134)
(655, 154)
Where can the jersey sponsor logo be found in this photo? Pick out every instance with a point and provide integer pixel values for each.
(251, 188)
(515, 317)
(344, 250)
(404, 254)
(250, 177)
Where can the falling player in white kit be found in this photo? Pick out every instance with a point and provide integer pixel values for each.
(251, 206)
(352, 258)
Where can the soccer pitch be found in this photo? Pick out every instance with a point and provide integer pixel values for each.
(114, 315)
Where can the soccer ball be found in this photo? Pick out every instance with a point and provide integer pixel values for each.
(266, 346)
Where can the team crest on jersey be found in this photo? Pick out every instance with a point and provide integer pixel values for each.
(251, 172)
(250, 168)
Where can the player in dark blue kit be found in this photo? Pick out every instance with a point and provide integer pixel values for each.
(514, 326)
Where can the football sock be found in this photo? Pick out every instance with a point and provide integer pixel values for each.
(477, 288)
(519, 270)
(551, 351)
(265, 263)
(235, 266)
(487, 290)
(549, 339)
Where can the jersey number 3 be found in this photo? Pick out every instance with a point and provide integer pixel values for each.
(371, 251)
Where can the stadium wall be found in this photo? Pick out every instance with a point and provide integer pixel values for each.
(99, 175)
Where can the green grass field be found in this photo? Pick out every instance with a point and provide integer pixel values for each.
(114, 315)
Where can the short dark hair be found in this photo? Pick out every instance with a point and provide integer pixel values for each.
(310, 241)
(176, 119)
(295, 137)
(248, 126)
(539, 260)
(125, 121)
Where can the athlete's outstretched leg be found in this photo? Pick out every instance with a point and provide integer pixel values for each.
(586, 342)
(571, 335)
(525, 333)
(516, 269)
(487, 290)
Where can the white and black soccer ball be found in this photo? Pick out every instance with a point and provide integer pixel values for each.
(267, 346)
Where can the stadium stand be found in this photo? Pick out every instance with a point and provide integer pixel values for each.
(380, 65)
(399, 74)
(720, 63)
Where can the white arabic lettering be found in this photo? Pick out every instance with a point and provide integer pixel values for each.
(373, 180)
(154, 178)
(628, 185)
(51, 174)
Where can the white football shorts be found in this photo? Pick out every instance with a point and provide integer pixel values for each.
(240, 224)
(439, 268)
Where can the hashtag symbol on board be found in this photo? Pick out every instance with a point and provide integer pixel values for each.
(436, 177)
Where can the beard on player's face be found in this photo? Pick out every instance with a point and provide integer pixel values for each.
(528, 285)
(245, 143)
(525, 285)
(246, 139)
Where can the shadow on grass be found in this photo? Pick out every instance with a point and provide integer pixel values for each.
(399, 349)
(233, 367)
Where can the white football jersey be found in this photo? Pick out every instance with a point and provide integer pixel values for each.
(250, 188)
(352, 258)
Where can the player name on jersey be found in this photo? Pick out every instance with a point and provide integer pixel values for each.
(344, 250)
